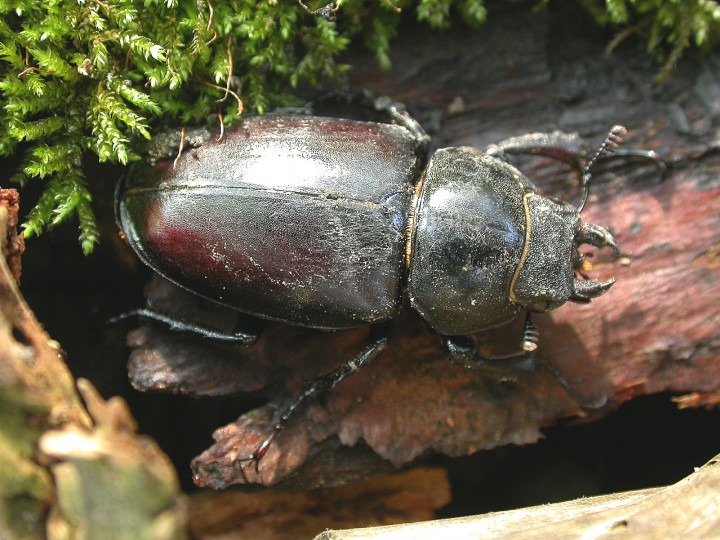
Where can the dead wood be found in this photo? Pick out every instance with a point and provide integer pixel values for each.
(688, 509)
(288, 515)
(69, 470)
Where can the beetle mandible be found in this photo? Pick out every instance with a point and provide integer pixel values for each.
(326, 223)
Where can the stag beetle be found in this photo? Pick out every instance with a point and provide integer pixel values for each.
(326, 223)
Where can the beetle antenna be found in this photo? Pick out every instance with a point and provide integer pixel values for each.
(609, 145)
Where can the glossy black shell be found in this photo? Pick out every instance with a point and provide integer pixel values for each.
(468, 238)
(485, 244)
(296, 219)
(322, 223)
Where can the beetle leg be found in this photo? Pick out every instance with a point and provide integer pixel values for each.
(394, 110)
(398, 113)
(649, 155)
(377, 342)
(565, 147)
(569, 148)
(180, 325)
(463, 350)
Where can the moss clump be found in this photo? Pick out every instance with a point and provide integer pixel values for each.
(94, 75)
(668, 27)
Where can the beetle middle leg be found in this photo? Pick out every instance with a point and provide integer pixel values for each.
(378, 339)
(240, 336)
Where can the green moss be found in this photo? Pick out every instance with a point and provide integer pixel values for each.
(669, 27)
(25, 486)
(95, 75)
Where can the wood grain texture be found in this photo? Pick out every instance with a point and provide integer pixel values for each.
(688, 509)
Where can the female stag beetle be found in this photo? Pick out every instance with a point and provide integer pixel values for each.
(326, 223)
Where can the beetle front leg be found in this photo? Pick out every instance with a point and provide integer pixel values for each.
(463, 350)
(569, 148)
(378, 340)
(565, 147)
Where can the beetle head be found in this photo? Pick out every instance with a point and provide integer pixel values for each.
(547, 275)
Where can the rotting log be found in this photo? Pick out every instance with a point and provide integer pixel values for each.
(688, 509)
(404, 497)
(656, 330)
(69, 467)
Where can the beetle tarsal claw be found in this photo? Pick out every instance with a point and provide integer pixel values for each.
(586, 290)
(597, 236)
